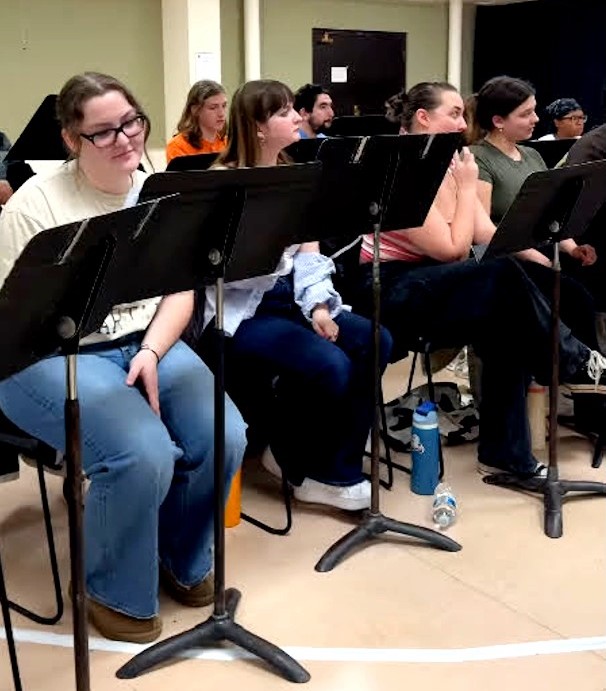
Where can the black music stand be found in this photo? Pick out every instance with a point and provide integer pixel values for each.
(552, 150)
(362, 126)
(551, 206)
(47, 303)
(264, 208)
(41, 138)
(191, 162)
(389, 183)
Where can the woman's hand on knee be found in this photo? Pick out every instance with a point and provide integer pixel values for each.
(324, 325)
(143, 373)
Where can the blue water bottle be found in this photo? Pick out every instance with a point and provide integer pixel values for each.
(425, 449)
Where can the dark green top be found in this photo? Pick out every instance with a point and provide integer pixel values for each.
(504, 174)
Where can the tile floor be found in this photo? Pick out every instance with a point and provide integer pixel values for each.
(395, 615)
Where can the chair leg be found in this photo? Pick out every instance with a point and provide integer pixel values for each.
(8, 628)
(388, 460)
(53, 561)
(432, 394)
(427, 363)
(598, 450)
(287, 507)
(388, 484)
(412, 371)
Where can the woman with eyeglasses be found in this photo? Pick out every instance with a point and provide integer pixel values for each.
(568, 119)
(146, 398)
(201, 128)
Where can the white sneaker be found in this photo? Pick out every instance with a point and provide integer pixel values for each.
(592, 377)
(350, 498)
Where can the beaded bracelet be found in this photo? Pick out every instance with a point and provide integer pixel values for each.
(144, 346)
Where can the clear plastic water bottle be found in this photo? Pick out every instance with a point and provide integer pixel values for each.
(444, 511)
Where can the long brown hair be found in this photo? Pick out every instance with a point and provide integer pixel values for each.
(254, 102)
(188, 124)
(81, 88)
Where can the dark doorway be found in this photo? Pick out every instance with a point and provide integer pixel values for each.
(361, 69)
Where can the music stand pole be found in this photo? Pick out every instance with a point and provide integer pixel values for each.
(374, 523)
(75, 502)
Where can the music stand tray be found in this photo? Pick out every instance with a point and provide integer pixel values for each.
(192, 162)
(551, 206)
(552, 150)
(41, 138)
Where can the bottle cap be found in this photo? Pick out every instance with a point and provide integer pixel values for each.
(426, 407)
(442, 519)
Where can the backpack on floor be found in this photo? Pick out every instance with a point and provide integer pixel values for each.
(458, 423)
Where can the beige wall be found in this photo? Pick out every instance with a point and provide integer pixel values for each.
(43, 42)
(469, 27)
(287, 24)
(232, 49)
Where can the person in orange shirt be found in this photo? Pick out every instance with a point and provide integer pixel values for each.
(201, 129)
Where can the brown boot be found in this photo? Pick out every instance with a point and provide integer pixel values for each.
(121, 627)
(198, 595)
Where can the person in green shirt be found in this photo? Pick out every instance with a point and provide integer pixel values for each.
(500, 115)
(505, 114)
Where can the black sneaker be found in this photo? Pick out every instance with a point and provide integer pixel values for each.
(590, 378)
(539, 471)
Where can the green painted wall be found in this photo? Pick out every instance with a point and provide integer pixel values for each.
(44, 42)
(469, 28)
(287, 24)
(232, 40)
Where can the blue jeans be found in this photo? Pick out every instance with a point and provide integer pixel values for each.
(495, 307)
(151, 491)
(323, 405)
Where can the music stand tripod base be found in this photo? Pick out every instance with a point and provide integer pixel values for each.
(215, 629)
(373, 525)
(553, 491)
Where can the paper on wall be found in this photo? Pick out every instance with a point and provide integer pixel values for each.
(207, 66)
(338, 75)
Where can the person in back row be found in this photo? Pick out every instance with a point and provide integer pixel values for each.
(431, 290)
(314, 105)
(291, 328)
(567, 117)
(146, 399)
(201, 129)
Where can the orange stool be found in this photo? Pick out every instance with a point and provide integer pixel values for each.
(233, 506)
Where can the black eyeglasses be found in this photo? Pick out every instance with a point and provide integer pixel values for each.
(575, 118)
(106, 138)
